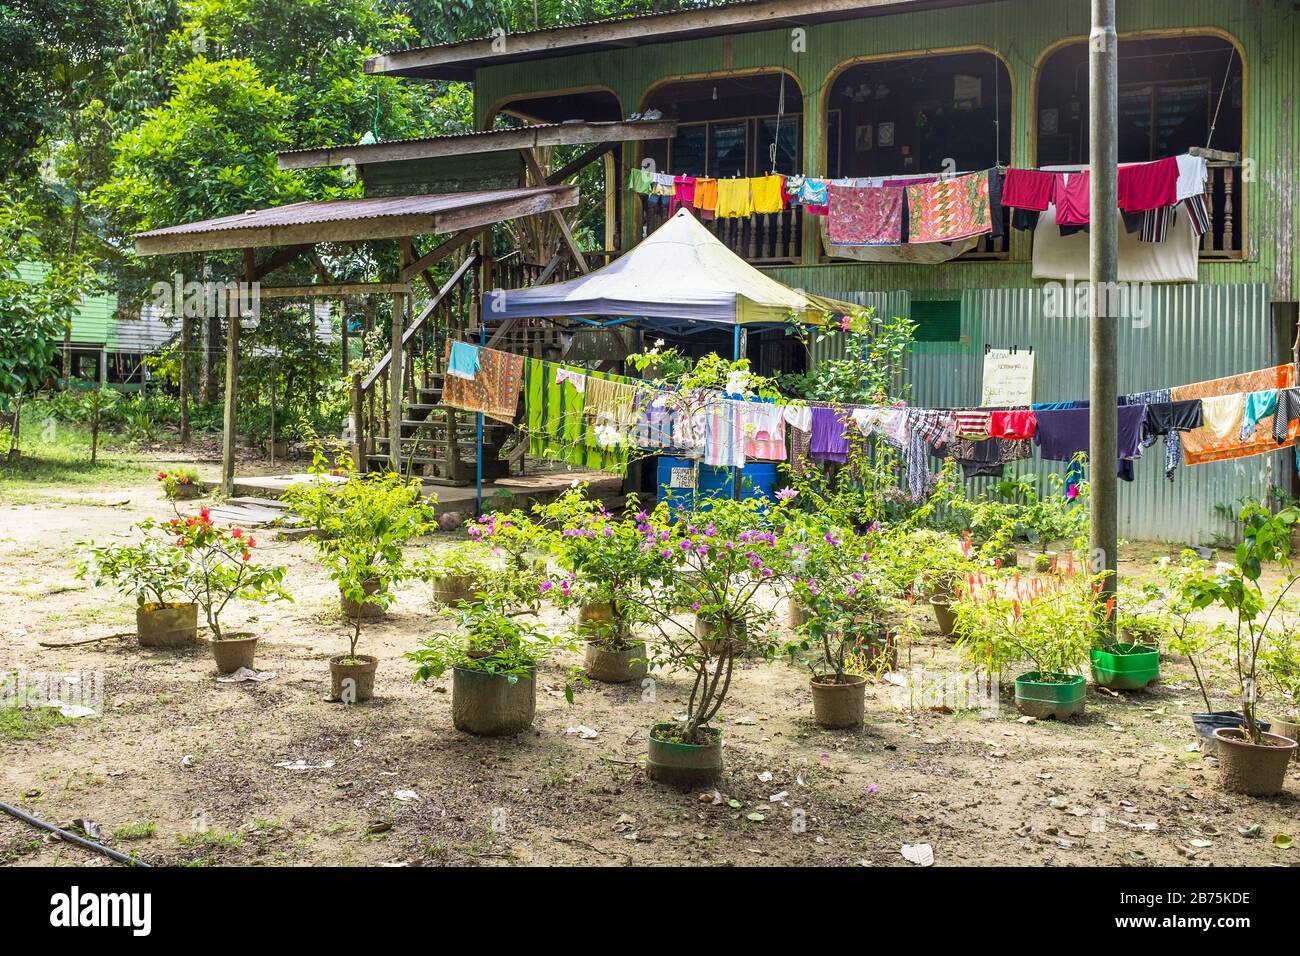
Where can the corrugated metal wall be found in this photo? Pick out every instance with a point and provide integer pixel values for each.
(1194, 333)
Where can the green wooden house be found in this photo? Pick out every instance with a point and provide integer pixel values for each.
(886, 87)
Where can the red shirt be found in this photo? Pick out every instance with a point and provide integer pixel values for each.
(1020, 424)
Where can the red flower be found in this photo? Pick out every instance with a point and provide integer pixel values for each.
(250, 543)
(237, 533)
(162, 475)
(184, 479)
(244, 555)
(205, 514)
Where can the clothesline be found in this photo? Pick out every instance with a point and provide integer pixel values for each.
(594, 419)
(945, 208)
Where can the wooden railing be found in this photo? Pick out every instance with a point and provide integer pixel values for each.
(1223, 202)
(763, 238)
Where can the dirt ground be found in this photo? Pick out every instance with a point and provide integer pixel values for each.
(200, 760)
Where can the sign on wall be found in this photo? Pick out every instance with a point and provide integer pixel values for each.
(1008, 378)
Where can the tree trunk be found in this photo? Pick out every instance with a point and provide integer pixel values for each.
(209, 359)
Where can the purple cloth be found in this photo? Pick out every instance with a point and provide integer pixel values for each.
(1063, 433)
(828, 439)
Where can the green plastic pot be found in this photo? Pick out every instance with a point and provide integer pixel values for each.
(1125, 666)
(1061, 696)
(684, 766)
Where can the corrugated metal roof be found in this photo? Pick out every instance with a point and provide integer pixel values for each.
(350, 210)
(458, 59)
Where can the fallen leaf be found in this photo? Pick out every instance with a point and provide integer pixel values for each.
(1282, 841)
(922, 854)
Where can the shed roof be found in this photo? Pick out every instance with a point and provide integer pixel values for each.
(459, 60)
(354, 220)
(580, 133)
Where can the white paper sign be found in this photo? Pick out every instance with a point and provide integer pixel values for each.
(1008, 378)
(681, 478)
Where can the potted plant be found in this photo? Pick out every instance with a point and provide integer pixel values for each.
(848, 604)
(223, 571)
(361, 540)
(942, 571)
(180, 484)
(156, 574)
(1059, 514)
(493, 655)
(456, 573)
(1049, 623)
(1251, 761)
(1280, 663)
(713, 563)
(607, 567)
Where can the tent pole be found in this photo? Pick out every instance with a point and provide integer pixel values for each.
(478, 462)
(735, 357)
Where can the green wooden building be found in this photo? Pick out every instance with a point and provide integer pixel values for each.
(886, 87)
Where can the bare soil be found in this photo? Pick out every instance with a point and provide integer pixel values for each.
(200, 759)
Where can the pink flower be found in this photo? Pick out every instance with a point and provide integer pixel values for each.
(1072, 492)
(786, 494)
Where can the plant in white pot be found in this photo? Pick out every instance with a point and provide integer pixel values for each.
(361, 540)
(157, 574)
(1251, 761)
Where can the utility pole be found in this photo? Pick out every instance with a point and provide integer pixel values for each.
(1103, 248)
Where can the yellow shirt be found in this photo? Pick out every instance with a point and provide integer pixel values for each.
(734, 199)
(768, 192)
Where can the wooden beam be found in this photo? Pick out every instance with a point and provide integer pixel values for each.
(579, 164)
(502, 140)
(437, 254)
(535, 167)
(332, 289)
(281, 258)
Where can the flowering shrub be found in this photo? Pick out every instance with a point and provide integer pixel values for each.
(514, 537)
(489, 638)
(604, 558)
(176, 479)
(1051, 622)
(713, 563)
(847, 597)
(221, 567)
(153, 571)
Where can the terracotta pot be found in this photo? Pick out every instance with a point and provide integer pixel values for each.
(1257, 770)
(232, 653)
(187, 492)
(167, 625)
(615, 667)
(354, 681)
(451, 589)
(685, 766)
(839, 705)
(944, 615)
(492, 705)
(1289, 728)
(353, 610)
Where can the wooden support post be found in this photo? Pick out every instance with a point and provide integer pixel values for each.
(395, 386)
(343, 329)
(566, 234)
(185, 378)
(358, 427)
(232, 385)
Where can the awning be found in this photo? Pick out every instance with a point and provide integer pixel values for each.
(679, 273)
(356, 220)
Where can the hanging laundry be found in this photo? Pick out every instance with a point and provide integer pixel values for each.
(1193, 173)
(1259, 405)
(768, 193)
(934, 426)
(949, 209)
(1063, 433)
(865, 217)
(706, 196)
(462, 361)
(640, 181)
(1156, 224)
(1028, 189)
(1288, 410)
(494, 389)
(1223, 414)
(724, 435)
(763, 425)
(611, 410)
(1202, 445)
(574, 377)
(557, 424)
(683, 192)
(1145, 186)
(972, 423)
(1012, 424)
(829, 442)
(663, 184)
(1197, 212)
(1072, 196)
(1167, 419)
(652, 425)
(734, 199)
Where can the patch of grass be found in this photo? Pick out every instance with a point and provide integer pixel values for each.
(24, 723)
(136, 831)
(210, 840)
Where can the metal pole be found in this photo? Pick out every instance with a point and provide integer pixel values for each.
(1103, 391)
(395, 385)
(735, 357)
(478, 460)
